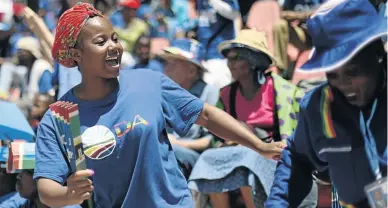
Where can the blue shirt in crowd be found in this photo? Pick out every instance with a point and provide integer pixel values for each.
(210, 23)
(45, 82)
(125, 141)
(343, 153)
(65, 78)
(153, 64)
(301, 5)
(12, 200)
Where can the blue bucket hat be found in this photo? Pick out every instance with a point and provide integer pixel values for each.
(339, 30)
(185, 49)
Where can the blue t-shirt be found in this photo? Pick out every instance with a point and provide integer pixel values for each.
(117, 20)
(45, 82)
(301, 5)
(134, 163)
(210, 23)
(153, 64)
(12, 200)
(65, 78)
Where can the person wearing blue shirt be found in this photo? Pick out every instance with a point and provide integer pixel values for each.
(8, 196)
(123, 122)
(215, 25)
(342, 124)
(142, 52)
(12, 200)
(65, 78)
(34, 73)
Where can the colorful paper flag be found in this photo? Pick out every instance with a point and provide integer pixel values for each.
(21, 156)
(68, 124)
(67, 119)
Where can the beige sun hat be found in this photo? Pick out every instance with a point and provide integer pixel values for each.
(250, 39)
(29, 44)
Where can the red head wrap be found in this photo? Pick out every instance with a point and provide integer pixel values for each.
(68, 29)
(132, 4)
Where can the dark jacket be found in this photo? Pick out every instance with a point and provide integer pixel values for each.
(340, 149)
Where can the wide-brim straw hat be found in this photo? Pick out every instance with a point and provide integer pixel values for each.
(185, 49)
(30, 44)
(250, 39)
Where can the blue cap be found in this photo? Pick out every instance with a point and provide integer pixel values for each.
(186, 49)
(339, 30)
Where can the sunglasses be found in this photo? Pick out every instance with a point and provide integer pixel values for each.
(235, 57)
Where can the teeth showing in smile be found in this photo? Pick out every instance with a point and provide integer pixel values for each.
(114, 61)
(350, 94)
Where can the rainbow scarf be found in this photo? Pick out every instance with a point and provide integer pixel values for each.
(327, 121)
(21, 156)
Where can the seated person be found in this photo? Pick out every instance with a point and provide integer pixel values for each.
(29, 72)
(27, 189)
(142, 55)
(127, 26)
(216, 24)
(183, 67)
(9, 197)
(27, 193)
(266, 104)
(163, 21)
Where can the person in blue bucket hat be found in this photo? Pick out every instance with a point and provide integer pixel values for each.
(342, 124)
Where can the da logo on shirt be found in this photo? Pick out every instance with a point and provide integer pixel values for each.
(124, 127)
(98, 142)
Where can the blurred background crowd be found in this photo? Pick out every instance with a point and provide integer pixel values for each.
(31, 80)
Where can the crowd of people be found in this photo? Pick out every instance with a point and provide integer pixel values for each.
(188, 103)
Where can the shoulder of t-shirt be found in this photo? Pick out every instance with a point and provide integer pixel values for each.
(143, 76)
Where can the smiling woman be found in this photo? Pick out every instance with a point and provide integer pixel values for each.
(342, 124)
(123, 121)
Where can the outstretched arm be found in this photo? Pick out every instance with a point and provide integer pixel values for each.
(225, 126)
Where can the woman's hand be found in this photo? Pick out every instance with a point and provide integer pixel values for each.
(272, 150)
(79, 187)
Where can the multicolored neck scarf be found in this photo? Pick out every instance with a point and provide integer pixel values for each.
(327, 121)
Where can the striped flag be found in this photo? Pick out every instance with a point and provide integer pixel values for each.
(21, 156)
(68, 124)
